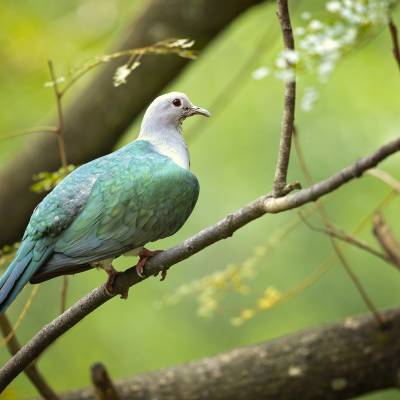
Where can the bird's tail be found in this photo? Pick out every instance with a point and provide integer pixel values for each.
(30, 256)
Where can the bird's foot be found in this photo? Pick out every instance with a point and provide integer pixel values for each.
(112, 275)
(144, 255)
(163, 274)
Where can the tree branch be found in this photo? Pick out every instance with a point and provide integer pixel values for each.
(223, 229)
(338, 251)
(386, 239)
(343, 236)
(104, 388)
(285, 144)
(395, 41)
(31, 371)
(338, 361)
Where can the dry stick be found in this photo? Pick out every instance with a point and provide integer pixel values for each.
(282, 165)
(104, 388)
(395, 40)
(63, 156)
(385, 177)
(325, 219)
(347, 238)
(60, 127)
(38, 129)
(386, 239)
(208, 236)
(31, 371)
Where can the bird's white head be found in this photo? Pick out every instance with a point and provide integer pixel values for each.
(169, 111)
(162, 125)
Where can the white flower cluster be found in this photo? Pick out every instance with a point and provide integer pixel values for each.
(321, 45)
(122, 73)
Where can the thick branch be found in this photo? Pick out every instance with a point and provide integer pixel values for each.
(285, 144)
(223, 229)
(338, 361)
(101, 114)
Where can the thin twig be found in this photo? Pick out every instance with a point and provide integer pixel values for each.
(386, 239)
(64, 292)
(60, 128)
(63, 157)
(31, 371)
(221, 230)
(103, 386)
(340, 234)
(325, 219)
(385, 177)
(21, 316)
(159, 48)
(38, 129)
(285, 144)
(395, 40)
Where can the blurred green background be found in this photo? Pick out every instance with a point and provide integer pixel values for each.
(233, 155)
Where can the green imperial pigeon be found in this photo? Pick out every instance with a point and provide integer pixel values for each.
(112, 205)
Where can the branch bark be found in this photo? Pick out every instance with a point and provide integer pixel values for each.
(222, 230)
(338, 361)
(104, 388)
(31, 371)
(97, 121)
(285, 144)
(395, 41)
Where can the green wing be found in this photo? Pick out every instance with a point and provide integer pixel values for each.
(142, 197)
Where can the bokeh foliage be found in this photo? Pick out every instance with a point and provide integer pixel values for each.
(233, 155)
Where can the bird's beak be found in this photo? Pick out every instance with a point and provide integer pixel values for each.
(199, 111)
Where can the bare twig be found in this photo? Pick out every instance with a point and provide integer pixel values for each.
(324, 217)
(338, 361)
(340, 234)
(395, 40)
(60, 128)
(63, 156)
(64, 292)
(282, 164)
(386, 239)
(222, 230)
(38, 129)
(31, 371)
(385, 177)
(104, 388)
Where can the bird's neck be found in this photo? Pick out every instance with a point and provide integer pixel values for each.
(168, 142)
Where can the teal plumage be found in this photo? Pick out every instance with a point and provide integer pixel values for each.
(103, 209)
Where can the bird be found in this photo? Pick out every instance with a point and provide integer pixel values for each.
(112, 205)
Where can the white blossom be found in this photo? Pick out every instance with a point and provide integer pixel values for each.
(309, 98)
(299, 31)
(316, 25)
(260, 73)
(333, 6)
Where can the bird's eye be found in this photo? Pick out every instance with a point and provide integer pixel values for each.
(177, 102)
